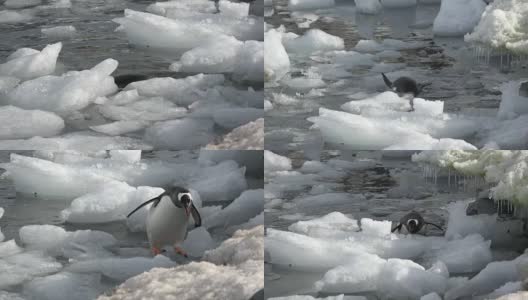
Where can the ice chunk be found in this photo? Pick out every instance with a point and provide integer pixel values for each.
(226, 55)
(357, 275)
(64, 286)
(185, 32)
(130, 156)
(467, 255)
(153, 109)
(58, 242)
(10, 296)
(187, 281)
(333, 225)
(197, 242)
(507, 288)
(79, 141)
(120, 127)
(17, 123)
(512, 104)
(243, 246)
(309, 4)
(368, 6)
(276, 59)
(431, 296)
(32, 65)
(180, 91)
(398, 3)
(9, 248)
(111, 202)
(493, 276)
(404, 279)
(60, 32)
(376, 228)
(459, 224)
(221, 183)
(369, 132)
(16, 4)
(249, 136)
(1, 214)
(457, 17)
(314, 40)
(20, 267)
(11, 16)
(69, 92)
(249, 204)
(22, 52)
(182, 134)
(274, 162)
(300, 252)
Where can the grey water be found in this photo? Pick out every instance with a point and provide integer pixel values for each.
(466, 83)
(428, 196)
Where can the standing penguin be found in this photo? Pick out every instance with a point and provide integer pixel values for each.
(168, 217)
(413, 222)
(405, 87)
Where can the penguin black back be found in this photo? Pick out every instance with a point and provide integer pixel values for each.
(402, 85)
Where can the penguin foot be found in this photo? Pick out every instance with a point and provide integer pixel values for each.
(155, 251)
(180, 251)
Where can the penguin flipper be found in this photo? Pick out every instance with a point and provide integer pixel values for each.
(196, 216)
(155, 200)
(437, 226)
(386, 80)
(397, 227)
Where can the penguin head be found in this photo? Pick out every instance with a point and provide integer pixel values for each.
(412, 225)
(182, 198)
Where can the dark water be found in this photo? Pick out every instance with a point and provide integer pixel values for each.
(465, 84)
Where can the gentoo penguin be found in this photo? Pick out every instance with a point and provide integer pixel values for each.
(405, 87)
(413, 222)
(168, 217)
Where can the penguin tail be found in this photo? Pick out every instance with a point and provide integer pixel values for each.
(386, 80)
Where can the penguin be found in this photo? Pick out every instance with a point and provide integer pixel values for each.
(405, 87)
(168, 217)
(413, 222)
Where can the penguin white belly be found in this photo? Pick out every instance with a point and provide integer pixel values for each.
(166, 224)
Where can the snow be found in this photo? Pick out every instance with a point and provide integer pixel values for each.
(249, 136)
(244, 245)
(120, 127)
(69, 92)
(34, 65)
(502, 26)
(187, 281)
(60, 32)
(17, 123)
(456, 18)
(276, 59)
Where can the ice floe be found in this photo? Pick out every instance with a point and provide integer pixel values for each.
(456, 18)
